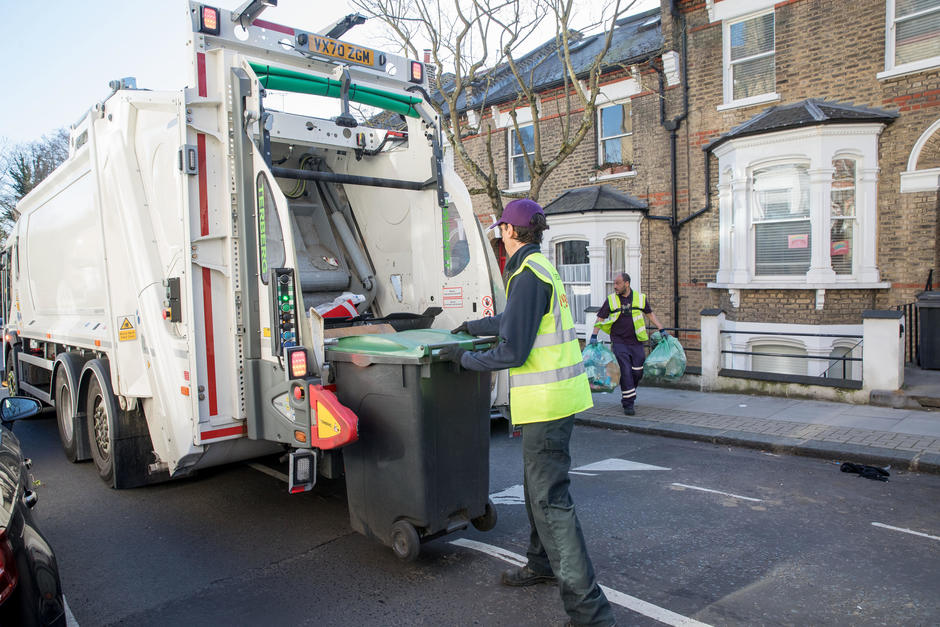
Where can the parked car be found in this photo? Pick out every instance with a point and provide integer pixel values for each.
(30, 592)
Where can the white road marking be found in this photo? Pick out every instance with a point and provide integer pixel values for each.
(507, 556)
(616, 464)
(737, 496)
(513, 495)
(583, 474)
(632, 603)
(910, 531)
(69, 617)
(269, 471)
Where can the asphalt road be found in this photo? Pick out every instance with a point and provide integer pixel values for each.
(779, 541)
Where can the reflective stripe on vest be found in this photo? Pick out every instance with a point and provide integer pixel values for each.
(552, 382)
(637, 307)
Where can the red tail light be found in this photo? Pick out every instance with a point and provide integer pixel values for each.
(9, 575)
(297, 357)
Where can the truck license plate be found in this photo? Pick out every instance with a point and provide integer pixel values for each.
(342, 50)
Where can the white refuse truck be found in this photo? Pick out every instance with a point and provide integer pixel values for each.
(162, 289)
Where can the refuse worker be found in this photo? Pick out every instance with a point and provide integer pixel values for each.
(627, 335)
(548, 385)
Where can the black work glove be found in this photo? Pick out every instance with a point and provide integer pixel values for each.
(462, 328)
(451, 352)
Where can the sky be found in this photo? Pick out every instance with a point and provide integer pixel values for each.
(61, 54)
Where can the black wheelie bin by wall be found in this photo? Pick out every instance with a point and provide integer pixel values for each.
(420, 468)
(928, 313)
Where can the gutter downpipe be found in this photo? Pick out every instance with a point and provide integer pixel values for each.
(675, 224)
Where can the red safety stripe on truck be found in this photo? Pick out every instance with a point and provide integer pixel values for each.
(223, 433)
(201, 74)
(287, 30)
(206, 276)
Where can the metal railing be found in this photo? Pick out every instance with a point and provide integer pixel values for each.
(912, 332)
(843, 359)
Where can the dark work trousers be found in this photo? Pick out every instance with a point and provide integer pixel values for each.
(631, 358)
(556, 544)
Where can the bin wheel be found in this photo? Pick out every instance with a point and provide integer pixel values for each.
(488, 520)
(405, 542)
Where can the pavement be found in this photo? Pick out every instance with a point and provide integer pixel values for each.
(905, 439)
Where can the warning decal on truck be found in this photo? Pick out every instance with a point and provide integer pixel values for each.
(126, 331)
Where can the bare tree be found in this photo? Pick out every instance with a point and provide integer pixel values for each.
(23, 167)
(477, 46)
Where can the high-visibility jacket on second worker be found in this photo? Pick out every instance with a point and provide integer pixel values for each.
(552, 383)
(637, 307)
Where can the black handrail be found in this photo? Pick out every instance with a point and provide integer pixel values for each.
(787, 333)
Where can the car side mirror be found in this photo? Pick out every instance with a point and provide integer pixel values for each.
(14, 408)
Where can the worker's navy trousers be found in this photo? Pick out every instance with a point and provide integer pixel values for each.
(631, 358)
(556, 544)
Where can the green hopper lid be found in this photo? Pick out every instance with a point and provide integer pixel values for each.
(412, 344)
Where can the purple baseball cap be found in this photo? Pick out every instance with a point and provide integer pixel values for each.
(519, 212)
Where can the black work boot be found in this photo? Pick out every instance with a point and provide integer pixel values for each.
(629, 411)
(524, 576)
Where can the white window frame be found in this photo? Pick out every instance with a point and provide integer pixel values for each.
(753, 221)
(609, 284)
(577, 313)
(892, 70)
(601, 138)
(513, 185)
(818, 145)
(727, 65)
(854, 219)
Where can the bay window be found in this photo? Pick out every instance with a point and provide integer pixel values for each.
(574, 267)
(781, 219)
(615, 261)
(843, 215)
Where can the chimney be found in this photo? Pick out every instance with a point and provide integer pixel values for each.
(427, 55)
(428, 68)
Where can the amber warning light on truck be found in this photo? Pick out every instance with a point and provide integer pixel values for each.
(209, 20)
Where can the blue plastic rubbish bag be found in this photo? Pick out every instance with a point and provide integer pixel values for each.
(602, 368)
(666, 360)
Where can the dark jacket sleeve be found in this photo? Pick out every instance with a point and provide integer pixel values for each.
(527, 302)
(485, 326)
(604, 311)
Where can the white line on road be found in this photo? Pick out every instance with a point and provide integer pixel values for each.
(910, 531)
(269, 471)
(583, 474)
(615, 464)
(737, 496)
(632, 603)
(69, 617)
(513, 495)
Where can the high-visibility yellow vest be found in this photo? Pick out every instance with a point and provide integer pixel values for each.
(639, 323)
(552, 383)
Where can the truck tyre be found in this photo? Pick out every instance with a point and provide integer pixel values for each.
(405, 542)
(488, 520)
(101, 428)
(63, 414)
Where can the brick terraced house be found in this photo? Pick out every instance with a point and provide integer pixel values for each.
(781, 162)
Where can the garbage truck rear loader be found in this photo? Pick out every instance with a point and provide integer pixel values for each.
(165, 288)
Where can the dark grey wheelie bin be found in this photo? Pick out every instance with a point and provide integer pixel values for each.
(420, 468)
(928, 311)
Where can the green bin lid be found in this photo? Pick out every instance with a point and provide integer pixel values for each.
(405, 345)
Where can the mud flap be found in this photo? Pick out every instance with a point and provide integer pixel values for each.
(133, 456)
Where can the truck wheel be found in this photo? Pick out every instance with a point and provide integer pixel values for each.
(10, 374)
(100, 433)
(405, 542)
(63, 414)
(488, 520)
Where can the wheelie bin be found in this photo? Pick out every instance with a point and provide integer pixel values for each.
(420, 468)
